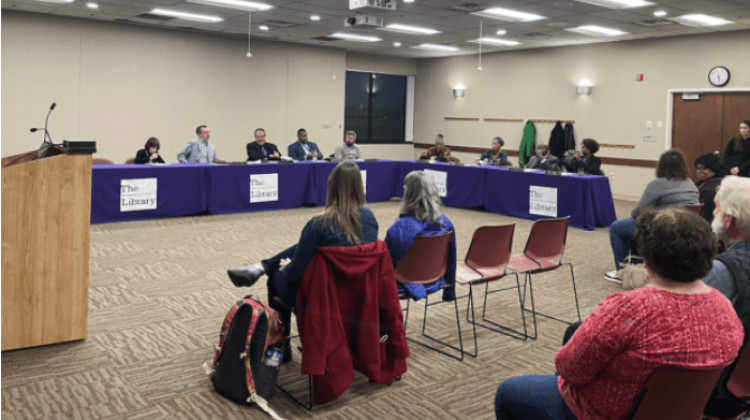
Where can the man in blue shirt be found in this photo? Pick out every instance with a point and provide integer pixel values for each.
(303, 149)
(199, 150)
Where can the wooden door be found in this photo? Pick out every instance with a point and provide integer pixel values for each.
(706, 125)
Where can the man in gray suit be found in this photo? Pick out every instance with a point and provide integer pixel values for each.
(544, 160)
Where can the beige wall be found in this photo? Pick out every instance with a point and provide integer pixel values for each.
(540, 84)
(120, 84)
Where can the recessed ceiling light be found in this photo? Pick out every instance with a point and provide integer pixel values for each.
(397, 27)
(701, 20)
(496, 41)
(92, 5)
(263, 27)
(236, 4)
(187, 16)
(501, 32)
(596, 30)
(397, 44)
(315, 17)
(618, 4)
(436, 47)
(408, 1)
(660, 13)
(508, 15)
(356, 38)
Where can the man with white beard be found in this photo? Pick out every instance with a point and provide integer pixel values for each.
(731, 276)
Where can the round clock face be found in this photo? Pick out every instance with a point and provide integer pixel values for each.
(718, 76)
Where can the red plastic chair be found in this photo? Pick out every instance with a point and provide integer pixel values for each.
(739, 382)
(101, 161)
(694, 207)
(673, 392)
(130, 160)
(485, 262)
(544, 252)
(426, 262)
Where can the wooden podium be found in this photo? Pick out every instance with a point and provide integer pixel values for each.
(46, 211)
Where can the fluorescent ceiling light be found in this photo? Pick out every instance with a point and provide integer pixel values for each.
(496, 41)
(250, 6)
(314, 17)
(57, 1)
(92, 5)
(396, 44)
(397, 27)
(356, 38)
(186, 16)
(508, 15)
(263, 27)
(501, 32)
(660, 13)
(436, 47)
(618, 4)
(596, 30)
(701, 20)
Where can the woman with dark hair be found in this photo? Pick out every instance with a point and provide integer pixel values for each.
(150, 153)
(588, 163)
(710, 172)
(495, 154)
(675, 320)
(344, 222)
(670, 188)
(737, 153)
(420, 215)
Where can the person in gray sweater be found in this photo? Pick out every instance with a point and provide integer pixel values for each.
(671, 187)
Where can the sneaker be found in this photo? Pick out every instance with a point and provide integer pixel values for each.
(612, 276)
(246, 276)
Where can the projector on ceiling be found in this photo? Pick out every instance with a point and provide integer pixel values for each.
(378, 4)
(364, 21)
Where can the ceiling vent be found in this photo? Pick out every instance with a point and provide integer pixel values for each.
(535, 36)
(152, 16)
(279, 23)
(467, 7)
(656, 22)
(325, 38)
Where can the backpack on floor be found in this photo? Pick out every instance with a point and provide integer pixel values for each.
(247, 359)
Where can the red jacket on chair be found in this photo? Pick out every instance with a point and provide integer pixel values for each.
(345, 295)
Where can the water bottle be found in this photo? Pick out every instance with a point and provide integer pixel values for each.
(273, 356)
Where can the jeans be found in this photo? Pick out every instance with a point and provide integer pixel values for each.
(277, 290)
(621, 235)
(531, 397)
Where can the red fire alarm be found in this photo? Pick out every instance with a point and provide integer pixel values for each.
(639, 77)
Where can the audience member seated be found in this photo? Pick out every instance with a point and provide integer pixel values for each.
(671, 187)
(730, 274)
(348, 150)
(675, 320)
(710, 171)
(737, 152)
(260, 149)
(438, 152)
(150, 153)
(588, 163)
(544, 160)
(344, 222)
(199, 150)
(495, 154)
(420, 215)
(303, 149)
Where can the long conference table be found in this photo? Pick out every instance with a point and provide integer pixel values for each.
(140, 192)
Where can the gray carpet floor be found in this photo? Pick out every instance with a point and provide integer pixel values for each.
(159, 292)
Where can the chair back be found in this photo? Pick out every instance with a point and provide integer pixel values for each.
(694, 207)
(130, 160)
(673, 392)
(547, 239)
(426, 261)
(490, 247)
(739, 382)
(101, 161)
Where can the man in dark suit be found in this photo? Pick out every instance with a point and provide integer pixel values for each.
(259, 149)
(303, 149)
(544, 160)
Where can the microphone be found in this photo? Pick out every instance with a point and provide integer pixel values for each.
(47, 137)
(34, 130)
(54, 104)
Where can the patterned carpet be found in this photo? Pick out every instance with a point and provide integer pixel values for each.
(159, 292)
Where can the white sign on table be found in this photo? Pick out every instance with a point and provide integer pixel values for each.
(138, 194)
(440, 179)
(264, 187)
(543, 201)
(364, 180)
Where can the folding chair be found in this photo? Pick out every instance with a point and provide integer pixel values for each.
(486, 261)
(544, 252)
(739, 382)
(426, 262)
(673, 392)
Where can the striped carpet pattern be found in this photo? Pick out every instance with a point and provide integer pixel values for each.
(159, 292)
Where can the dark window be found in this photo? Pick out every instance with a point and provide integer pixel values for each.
(375, 106)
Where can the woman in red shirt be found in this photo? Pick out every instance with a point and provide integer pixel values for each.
(675, 320)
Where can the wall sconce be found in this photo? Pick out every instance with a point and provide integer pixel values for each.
(584, 87)
(458, 90)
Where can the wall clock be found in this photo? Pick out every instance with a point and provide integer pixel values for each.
(718, 76)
